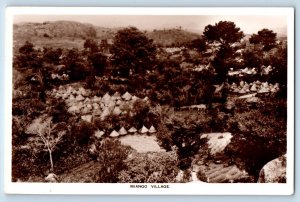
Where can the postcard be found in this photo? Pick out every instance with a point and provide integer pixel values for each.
(149, 101)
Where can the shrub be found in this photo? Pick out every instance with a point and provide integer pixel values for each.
(82, 132)
(111, 155)
(150, 168)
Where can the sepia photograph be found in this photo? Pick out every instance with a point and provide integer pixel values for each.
(150, 100)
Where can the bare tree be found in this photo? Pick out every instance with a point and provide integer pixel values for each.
(48, 135)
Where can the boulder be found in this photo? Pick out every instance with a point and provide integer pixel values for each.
(274, 171)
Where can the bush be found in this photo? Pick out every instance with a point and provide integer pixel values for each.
(82, 132)
(111, 155)
(150, 168)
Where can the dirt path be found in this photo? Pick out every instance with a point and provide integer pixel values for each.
(81, 174)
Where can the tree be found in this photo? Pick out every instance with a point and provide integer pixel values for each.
(198, 44)
(266, 38)
(48, 135)
(98, 63)
(225, 34)
(132, 51)
(91, 45)
(52, 56)
(28, 57)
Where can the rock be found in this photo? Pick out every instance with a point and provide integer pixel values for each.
(51, 178)
(98, 134)
(274, 171)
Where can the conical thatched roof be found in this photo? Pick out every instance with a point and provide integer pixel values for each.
(152, 129)
(264, 90)
(117, 111)
(132, 130)
(106, 97)
(119, 102)
(126, 96)
(253, 87)
(71, 97)
(114, 134)
(79, 98)
(242, 91)
(134, 98)
(144, 130)
(116, 95)
(122, 131)
(105, 113)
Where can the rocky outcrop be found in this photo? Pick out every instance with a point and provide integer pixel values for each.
(274, 171)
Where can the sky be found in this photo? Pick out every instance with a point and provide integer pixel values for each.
(248, 24)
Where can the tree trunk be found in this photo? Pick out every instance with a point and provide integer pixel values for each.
(51, 161)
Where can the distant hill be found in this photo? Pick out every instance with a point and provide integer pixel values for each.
(70, 34)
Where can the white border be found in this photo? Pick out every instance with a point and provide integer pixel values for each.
(175, 188)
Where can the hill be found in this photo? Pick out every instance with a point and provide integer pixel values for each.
(70, 34)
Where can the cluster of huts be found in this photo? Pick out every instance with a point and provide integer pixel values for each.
(122, 131)
(257, 86)
(265, 70)
(80, 102)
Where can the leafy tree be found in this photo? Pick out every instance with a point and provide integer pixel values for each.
(132, 51)
(266, 38)
(91, 45)
(198, 44)
(48, 135)
(52, 56)
(225, 33)
(28, 57)
(98, 62)
(26, 48)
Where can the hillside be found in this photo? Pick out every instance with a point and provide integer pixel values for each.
(70, 34)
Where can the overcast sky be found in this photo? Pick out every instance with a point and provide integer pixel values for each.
(248, 24)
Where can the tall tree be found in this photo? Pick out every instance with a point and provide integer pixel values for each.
(225, 34)
(266, 38)
(132, 51)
